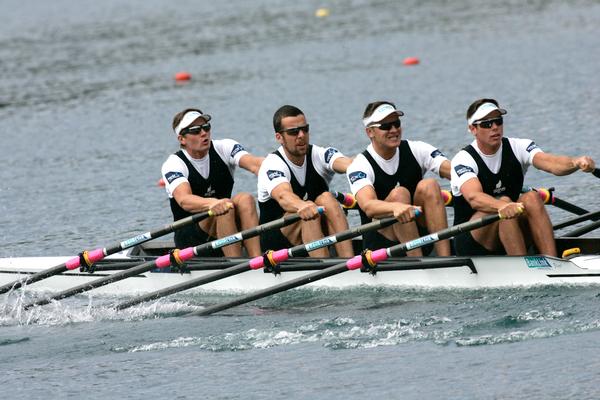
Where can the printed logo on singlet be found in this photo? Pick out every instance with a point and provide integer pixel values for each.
(236, 149)
(531, 147)
(210, 192)
(437, 153)
(171, 176)
(462, 169)
(356, 175)
(329, 153)
(272, 174)
(499, 189)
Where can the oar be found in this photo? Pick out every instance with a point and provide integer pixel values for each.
(348, 201)
(88, 258)
(354, 263)
(548, 197)
(594, 216)
(272, 258)
(176, 257)
(583, 230)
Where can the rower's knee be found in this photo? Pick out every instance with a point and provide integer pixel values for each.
(428, 190)
(532, 202)
(399, 194)
(245, 203)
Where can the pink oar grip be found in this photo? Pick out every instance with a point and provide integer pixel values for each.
(354, 263)
(257, 263)
(96, 255)
(163, 261)
(73, 263)
(281, 255)
(186, 254)
(278, 256)
(379, 255)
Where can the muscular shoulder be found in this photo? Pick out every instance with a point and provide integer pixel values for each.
(229, 150)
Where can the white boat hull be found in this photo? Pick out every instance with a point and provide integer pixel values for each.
(475, 272)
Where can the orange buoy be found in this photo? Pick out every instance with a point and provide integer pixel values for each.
(411, 61)
(183, 76)
(160, 182)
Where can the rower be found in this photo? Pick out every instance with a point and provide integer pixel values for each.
(295, 179)
(387, 179)
(199, 177)
(487, 177)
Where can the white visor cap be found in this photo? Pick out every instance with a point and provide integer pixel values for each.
(484, 110)
(380, 113)
(187, 120)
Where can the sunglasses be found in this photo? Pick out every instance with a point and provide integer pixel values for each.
(388, 125)
(487, 124)
(295, 131)
(197, 129)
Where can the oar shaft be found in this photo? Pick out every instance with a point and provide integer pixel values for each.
(164, 261)
(583, 230)
(303, 280)
(99, 254)
(352, 263)
(594, 216)
(572, 208)
(258, 262)
(234, 270)
(548, 197)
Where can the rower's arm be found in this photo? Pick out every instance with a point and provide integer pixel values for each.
(340, 165)
(290, 202)
(193, 203)
(478, 200)
(562, 165)
(445, 169)
(375, 208)
(251, 163)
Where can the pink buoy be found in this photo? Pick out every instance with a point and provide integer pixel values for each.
(411, 61)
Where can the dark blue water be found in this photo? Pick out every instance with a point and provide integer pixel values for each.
(86, 102)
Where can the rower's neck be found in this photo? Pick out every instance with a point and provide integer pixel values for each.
(383, 151)
(488, 150)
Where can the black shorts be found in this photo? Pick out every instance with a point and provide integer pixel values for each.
(374, 240)
(465, 245)
(274, 240)
(191, 236)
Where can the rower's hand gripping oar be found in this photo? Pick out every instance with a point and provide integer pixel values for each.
(178, 256)
(548, 197)
(86, 259)
(372, 258)
(270, 259)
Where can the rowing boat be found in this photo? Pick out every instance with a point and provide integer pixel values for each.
(424, 272)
